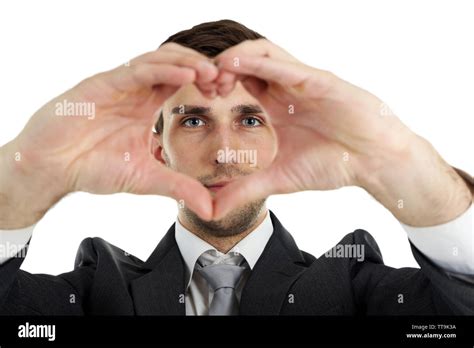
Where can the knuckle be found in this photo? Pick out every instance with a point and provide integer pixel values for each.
(170, 45)
(188, 61)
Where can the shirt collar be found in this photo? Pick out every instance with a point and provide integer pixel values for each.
(251, 247)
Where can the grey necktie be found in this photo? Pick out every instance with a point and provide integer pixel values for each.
(223, 279)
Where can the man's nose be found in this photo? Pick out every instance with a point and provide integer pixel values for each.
(224, 140)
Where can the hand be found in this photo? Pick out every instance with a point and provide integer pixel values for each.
(333, 134)
(110, 150)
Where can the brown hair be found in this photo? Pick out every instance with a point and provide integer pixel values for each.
(210, 39)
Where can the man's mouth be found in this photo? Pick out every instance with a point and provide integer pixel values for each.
(217, 186)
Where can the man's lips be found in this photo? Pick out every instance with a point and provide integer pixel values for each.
(217, 186)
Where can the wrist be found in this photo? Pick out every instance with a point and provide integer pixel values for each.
(417, 185)
(25, 195)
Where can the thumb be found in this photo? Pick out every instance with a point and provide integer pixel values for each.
(161, 180)
(246, 189)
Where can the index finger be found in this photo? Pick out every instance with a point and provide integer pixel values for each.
(259, 47)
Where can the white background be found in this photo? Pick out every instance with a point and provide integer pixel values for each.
(416, 55)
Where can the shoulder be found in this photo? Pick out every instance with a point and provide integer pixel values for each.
(360, 245)
(95, 249)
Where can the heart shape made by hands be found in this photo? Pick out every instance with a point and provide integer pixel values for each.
(325, 126)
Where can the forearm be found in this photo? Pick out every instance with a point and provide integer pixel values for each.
(418, 186)
(25, 196)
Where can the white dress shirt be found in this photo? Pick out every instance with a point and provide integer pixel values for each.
(246, 253)
(450, 246)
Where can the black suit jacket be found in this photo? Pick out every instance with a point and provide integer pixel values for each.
(285, 280)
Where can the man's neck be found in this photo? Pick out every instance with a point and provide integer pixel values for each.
(222, 244)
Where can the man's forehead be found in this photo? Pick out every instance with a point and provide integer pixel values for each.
(189, 100)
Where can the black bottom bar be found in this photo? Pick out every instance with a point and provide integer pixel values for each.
(227, 330)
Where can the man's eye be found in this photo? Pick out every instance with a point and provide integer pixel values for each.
(193, 122)
(251, 122)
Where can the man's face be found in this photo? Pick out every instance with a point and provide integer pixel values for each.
(216, 141)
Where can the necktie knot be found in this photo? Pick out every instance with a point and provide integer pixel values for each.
(223, 279)
(220, 276)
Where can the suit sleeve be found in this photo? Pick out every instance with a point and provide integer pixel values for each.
(23, 293)
(382, 290)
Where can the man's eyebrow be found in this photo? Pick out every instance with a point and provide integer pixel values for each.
(247, 109)
(204, 110)
(190, 110)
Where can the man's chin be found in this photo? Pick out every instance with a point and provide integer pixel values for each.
(234, 223)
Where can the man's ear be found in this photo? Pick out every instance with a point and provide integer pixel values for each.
(157, 148)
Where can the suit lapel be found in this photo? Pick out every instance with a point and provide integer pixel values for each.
(280, 264)
(161, 290)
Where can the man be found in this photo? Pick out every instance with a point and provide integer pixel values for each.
(240, 119)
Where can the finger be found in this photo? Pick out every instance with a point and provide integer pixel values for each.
(246, 189)
(260, 47)
(289, 74)
(169, 47)
(225, 90)
(209, 89)
(225, 82)
(206, 70)
(148, 75)
(265, 68)
(176, 47)
(161, 180)
(225, 77)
